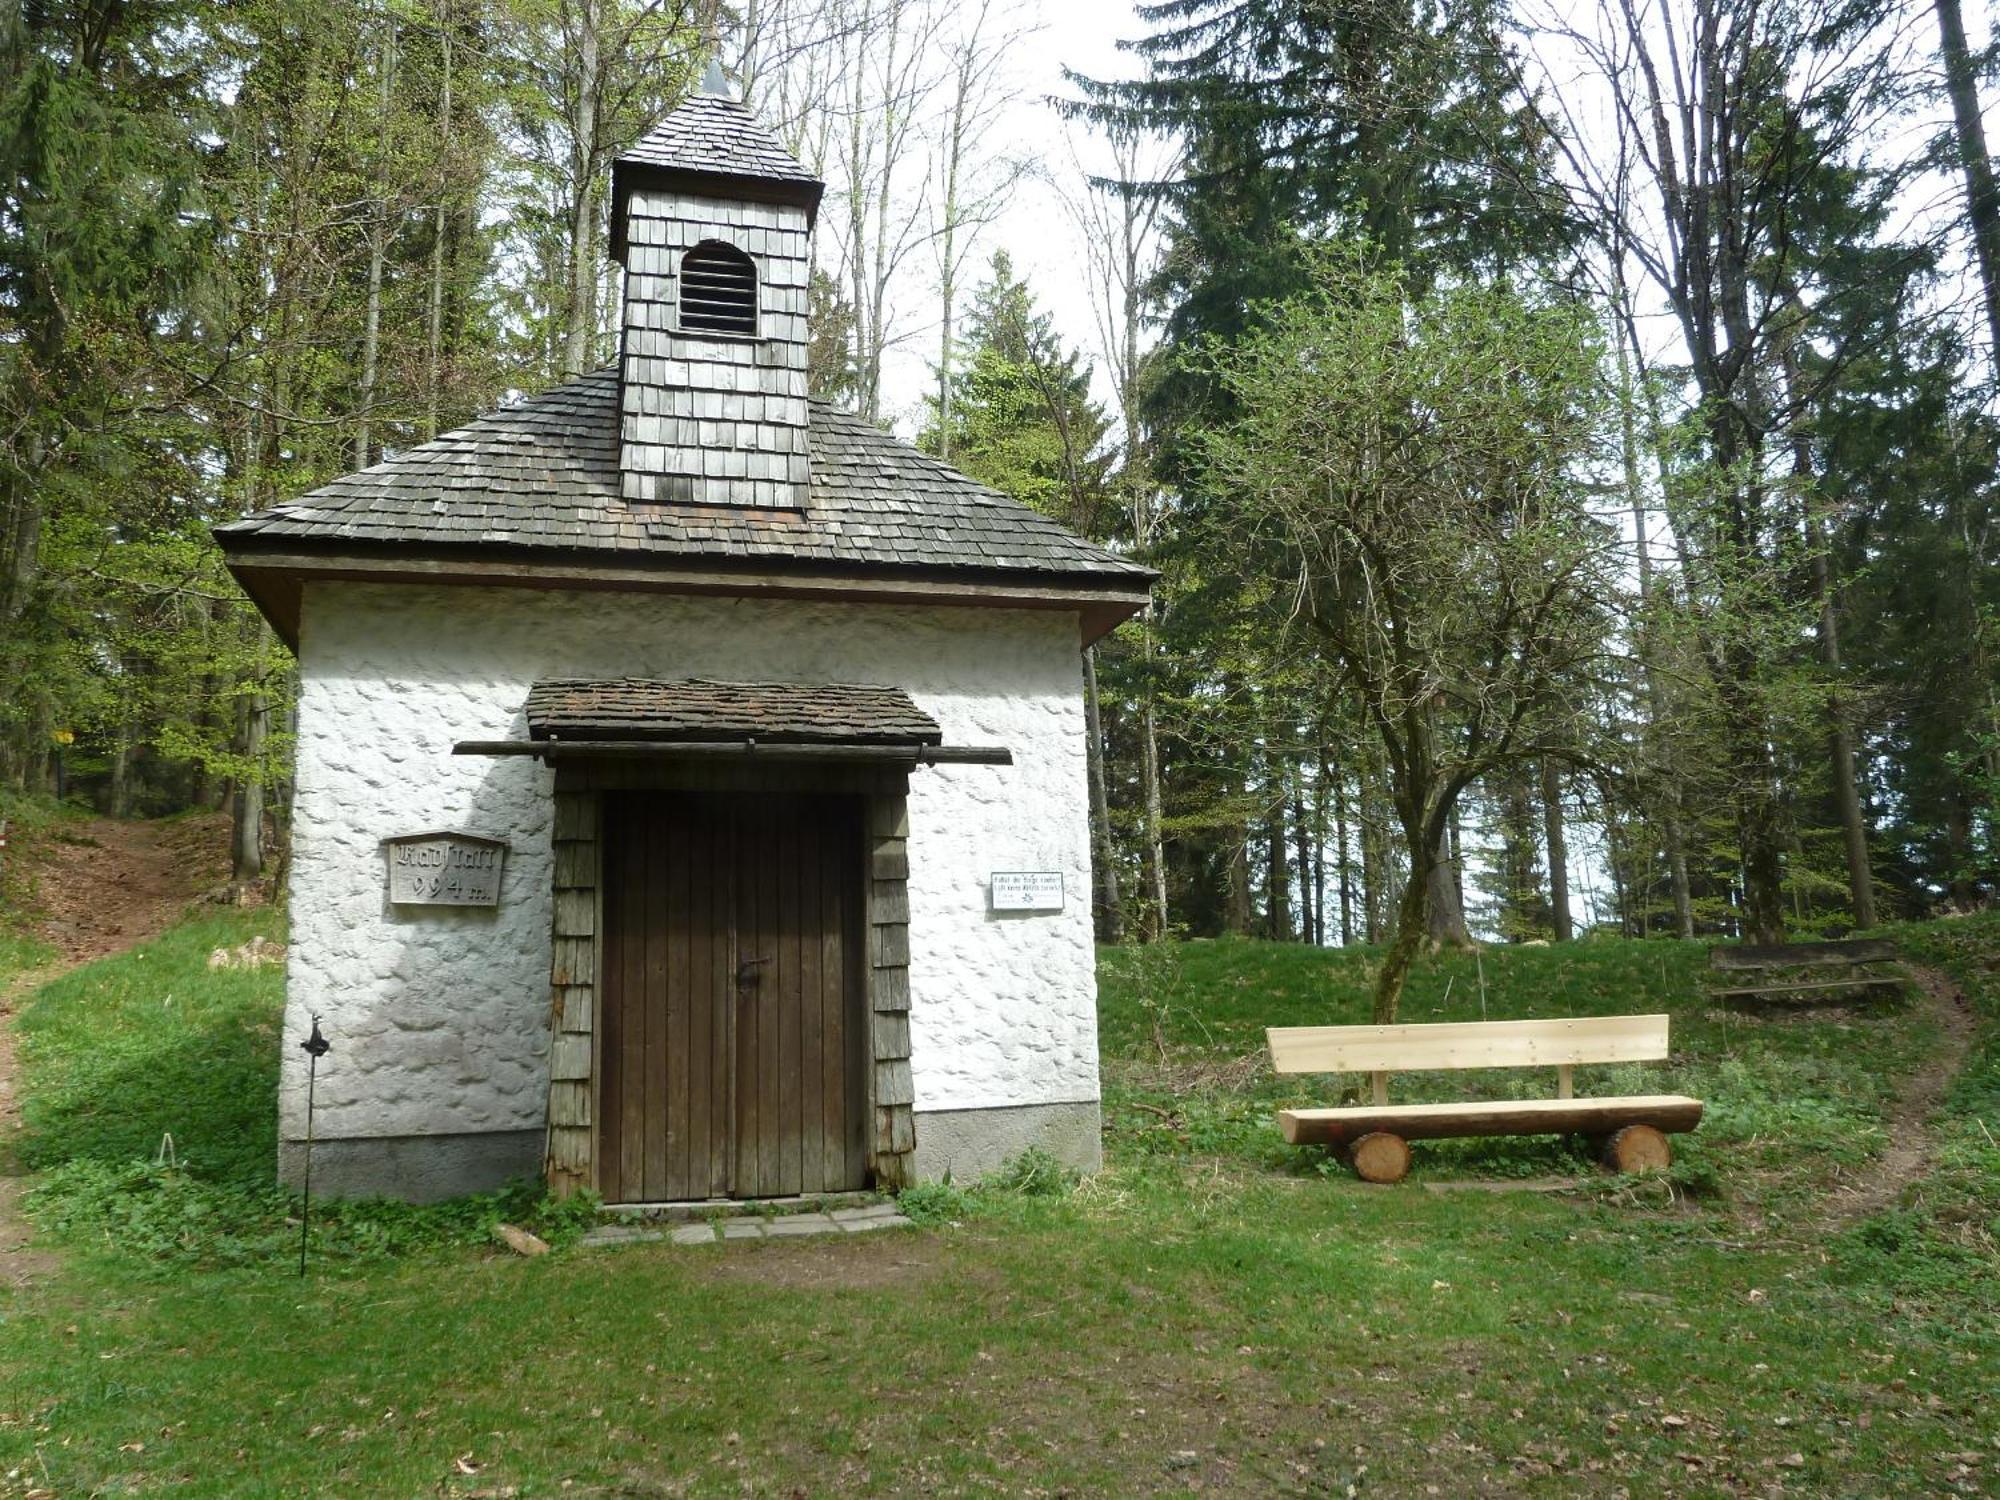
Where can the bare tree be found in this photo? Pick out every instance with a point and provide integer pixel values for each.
(884, 61)
(1119, 230)
(1982, 195)
(378, 246)
(1729, 116)
(597, 75)
(968, 187)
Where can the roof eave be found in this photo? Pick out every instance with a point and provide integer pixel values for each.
(274, 571)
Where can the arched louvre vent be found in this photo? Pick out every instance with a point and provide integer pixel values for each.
(718, 290)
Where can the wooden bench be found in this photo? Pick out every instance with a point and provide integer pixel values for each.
(1802, 967)
(1631, 1130)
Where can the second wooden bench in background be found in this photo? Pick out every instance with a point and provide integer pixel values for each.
(1758, 971)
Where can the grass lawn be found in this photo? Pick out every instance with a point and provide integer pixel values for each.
(1214, 1312)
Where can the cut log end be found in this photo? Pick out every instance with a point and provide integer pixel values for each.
(1380, 1157)
(1638, 1148)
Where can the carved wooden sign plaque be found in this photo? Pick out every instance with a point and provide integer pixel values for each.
(444, 868)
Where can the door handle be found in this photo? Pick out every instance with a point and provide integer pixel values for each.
(746, 971)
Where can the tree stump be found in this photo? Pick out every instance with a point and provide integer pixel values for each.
(1638, 1148)
(1379, 1157)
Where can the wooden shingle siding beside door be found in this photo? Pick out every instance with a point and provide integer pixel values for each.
(573, 987)
(895, 1140)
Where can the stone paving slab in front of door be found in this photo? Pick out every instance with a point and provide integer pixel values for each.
(784, 1226)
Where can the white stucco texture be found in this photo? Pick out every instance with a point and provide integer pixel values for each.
(439, 1016)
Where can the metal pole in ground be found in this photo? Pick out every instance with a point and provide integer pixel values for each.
(315, 1047)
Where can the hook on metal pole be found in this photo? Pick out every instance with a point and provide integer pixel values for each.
(315, 1047)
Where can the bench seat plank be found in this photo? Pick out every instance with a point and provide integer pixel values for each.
(1422, 1122)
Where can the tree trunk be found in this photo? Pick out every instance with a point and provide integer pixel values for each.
(1982, 195)
(580, 319)
(1236, 908)
(1319, 853)
(1840, 731)
(24, 550)
(1521, 897)
(1961, 878)
(1401, 955)
(434, 314)
(1341, 845)
(1375, 877)
(1659, 746)
(1111, 913)
(1444, 912)
(1677, 874)
(1558, 851)
(1614, 858)
(1412, 919)
(1156, 848)
(1302, 845)
(1277, 869)
(378, 250)
(118, 800)
(246, 826)
(1759, 837)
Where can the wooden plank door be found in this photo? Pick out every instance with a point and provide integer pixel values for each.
(733, 1052)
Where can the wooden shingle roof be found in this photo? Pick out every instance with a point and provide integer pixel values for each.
(543, 476)
(706, 133)
(713, 146)
(695, 711)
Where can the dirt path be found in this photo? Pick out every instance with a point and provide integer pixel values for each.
(100, 886)
(1912, 1142)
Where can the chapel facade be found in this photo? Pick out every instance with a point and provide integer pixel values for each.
(691, 792)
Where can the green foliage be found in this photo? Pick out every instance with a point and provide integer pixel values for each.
(934, 1203)
(1402, 493)
(1022, 419)
(150, 1116)
(1035, 1173)
(1292, 120)
(1074, 1340)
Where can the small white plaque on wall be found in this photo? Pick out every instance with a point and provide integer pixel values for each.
(1026, 890)
(444, 869)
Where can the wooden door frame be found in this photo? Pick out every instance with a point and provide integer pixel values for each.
(577, 904)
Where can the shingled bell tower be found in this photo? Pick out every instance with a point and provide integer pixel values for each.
(712, 220)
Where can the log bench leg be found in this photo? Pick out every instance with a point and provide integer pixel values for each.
(1637, 1148)
(1379, 1157)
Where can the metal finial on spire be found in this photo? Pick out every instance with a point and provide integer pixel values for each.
(715, 82)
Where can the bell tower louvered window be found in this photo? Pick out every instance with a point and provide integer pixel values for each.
(718, 290)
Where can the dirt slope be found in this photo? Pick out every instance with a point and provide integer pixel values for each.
(99, 886)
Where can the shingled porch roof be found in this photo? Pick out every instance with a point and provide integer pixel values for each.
(696, 711)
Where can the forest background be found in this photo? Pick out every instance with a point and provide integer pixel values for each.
(1567, 435)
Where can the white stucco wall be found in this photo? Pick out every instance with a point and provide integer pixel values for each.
(439, 1017)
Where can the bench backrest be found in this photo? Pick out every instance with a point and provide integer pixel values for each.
(1801, 955)
(1467, 1044)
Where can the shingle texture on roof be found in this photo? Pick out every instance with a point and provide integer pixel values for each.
(706, 133)
(694, 710)
(543, 474)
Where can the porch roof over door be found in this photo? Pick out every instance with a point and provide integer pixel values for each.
(575, 716)
(694, 710)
